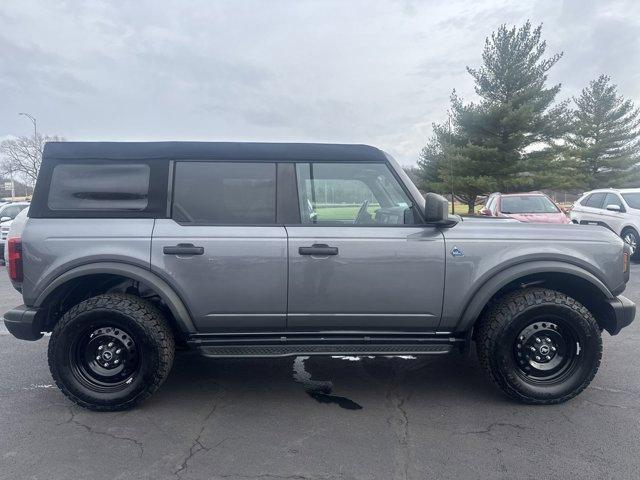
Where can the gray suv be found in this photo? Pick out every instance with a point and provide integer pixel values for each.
(134, 250)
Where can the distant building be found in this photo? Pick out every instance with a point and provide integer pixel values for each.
(21, 190)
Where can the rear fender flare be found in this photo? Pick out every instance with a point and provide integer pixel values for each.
(164, 290)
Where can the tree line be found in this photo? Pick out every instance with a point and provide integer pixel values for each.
(518, 137)
(21, 157)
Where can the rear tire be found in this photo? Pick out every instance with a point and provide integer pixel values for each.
(539, 346)
(110, 352)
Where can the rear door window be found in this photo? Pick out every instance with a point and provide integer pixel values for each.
(120, 187)
(595, 200)
(224, 193)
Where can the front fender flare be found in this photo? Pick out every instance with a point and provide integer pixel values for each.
(164, 290)
(490, 287)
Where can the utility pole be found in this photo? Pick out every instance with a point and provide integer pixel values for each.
(35, 145)
(453, 207)
(13, 186)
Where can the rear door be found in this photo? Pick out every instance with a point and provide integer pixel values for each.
(361, 258)
(592, 209)
(222, 249)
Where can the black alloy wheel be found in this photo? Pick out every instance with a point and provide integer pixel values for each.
(105, 358)
(546, 350)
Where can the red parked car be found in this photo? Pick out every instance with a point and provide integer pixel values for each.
(532, 207)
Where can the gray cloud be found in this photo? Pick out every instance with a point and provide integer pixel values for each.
(369, 71)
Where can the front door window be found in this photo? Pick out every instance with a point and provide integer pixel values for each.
(352, 194)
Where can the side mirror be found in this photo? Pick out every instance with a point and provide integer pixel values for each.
(613, 208)
(485, 211)
(4, 219)
(436, 208)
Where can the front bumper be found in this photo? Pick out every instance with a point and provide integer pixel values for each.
(22, 322)
(622, 313)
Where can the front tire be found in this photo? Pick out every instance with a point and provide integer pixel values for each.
(630, 237)
(539, 346)
(110, 352)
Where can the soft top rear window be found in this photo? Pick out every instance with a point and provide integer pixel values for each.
(99, 186)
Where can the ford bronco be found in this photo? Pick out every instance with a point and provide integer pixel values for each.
(132, 250)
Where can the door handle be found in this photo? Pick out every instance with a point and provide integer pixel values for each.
(183, 249)
(319, 249)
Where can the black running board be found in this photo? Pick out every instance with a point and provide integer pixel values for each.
(326, 343)
(231, 351)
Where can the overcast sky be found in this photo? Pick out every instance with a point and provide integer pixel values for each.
(377, 72)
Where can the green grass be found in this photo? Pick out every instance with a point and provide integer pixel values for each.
(336, 213)
(462, 209)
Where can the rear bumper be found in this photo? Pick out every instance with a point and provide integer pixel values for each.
(22, 323)
(623, 313)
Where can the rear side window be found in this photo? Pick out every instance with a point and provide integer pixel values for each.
(12, 210)
(594, 201)
(224, 193)
(119, 187)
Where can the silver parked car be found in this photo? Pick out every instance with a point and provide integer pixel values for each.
(616, 209)
(267, 250)
(8, 212)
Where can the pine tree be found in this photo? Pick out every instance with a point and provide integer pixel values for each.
(604, 142)
(508, 140)
(445, 171)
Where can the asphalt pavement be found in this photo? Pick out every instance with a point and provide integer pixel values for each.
(382, 418)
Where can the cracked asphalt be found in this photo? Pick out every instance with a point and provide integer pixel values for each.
(321, 418)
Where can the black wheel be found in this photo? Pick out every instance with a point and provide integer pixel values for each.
(110, 352)
(539, 346)
(630, 237)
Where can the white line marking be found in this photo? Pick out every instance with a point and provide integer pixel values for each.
(35, 386)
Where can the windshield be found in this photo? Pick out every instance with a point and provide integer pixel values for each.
(632, 199)
(527, 204)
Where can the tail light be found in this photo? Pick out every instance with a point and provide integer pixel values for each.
(14, 259)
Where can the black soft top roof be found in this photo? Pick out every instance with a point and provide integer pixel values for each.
(211, 151)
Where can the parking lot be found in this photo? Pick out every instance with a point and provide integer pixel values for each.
(384, 418)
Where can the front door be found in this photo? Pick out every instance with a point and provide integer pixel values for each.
(613, 220)
(222, 250)
(361, 259)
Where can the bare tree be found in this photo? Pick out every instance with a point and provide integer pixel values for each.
(22, 156)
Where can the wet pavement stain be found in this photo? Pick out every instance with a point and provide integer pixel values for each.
(320, 390)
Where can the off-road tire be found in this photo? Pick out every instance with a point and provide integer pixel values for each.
(499, 355)
(148, 331)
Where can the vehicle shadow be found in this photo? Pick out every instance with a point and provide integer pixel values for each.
(348, 382)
